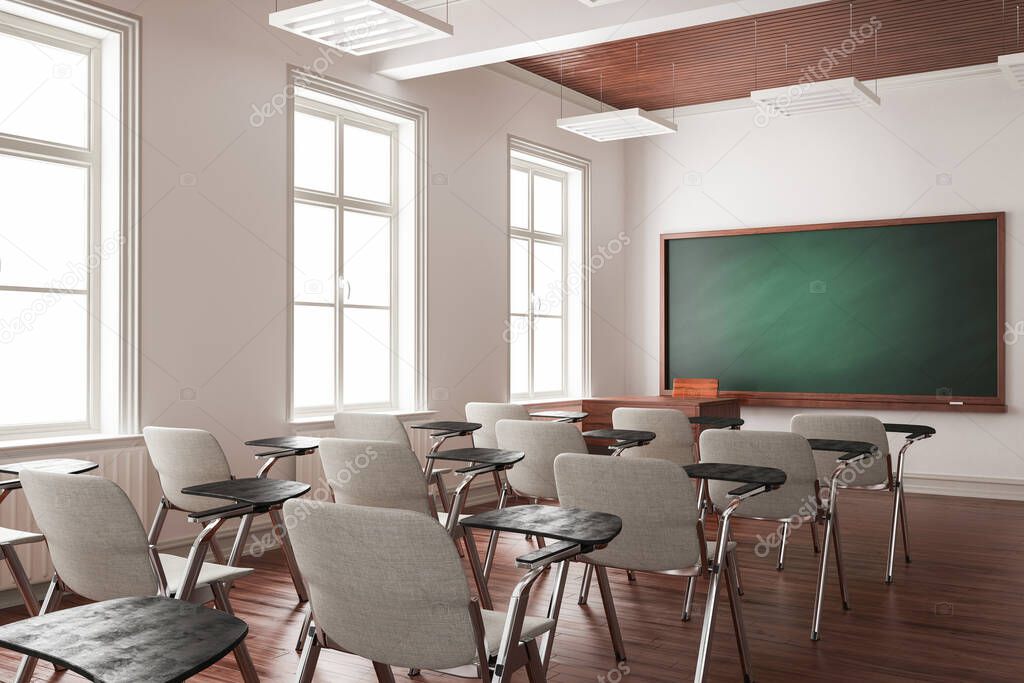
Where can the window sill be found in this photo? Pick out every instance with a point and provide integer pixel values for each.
(537, 402)
(64, 445)
(328, 421)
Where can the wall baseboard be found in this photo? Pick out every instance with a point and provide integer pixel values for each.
(998, 488)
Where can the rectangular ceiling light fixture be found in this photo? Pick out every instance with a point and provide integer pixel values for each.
(618, 124)
(598, 3)
(808, 98)
(1013, 67)
(361, 27)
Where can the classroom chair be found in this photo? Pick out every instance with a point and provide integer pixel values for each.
(384, 427)
(879, 474)
(661, 528)
(100, 552)
(388, 586)
(488, 415)
(191, 457)
(798, 502)
(675, 433)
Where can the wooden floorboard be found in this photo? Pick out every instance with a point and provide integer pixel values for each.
(955, 614)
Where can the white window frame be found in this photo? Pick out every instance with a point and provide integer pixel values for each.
(342, 203)
(111, 42)
(354, 106)
(532, 237)
(558, 165)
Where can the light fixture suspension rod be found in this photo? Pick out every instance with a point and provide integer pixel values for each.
(561, 87)
(853, 53)
(675, 93)
(755, 54)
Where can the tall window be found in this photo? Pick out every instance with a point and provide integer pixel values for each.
(353, 237)
(65, 257)
(547, 285)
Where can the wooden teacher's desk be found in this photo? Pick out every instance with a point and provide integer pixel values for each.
(599, 410)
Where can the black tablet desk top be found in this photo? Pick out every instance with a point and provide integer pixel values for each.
(157, 640)
(587, 529)
(254, 491)
(297, 444)
(494, 457)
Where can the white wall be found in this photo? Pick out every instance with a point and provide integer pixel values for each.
(722, 171)
(214, 228)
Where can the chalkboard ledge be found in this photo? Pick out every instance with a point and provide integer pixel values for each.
(953, 405)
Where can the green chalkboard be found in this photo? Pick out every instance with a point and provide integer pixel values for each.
(873, 309)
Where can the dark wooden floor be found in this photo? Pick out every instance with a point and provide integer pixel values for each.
(955, 614)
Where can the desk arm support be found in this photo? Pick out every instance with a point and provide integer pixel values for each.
(225, 512)
(158, 569)
(542, 557)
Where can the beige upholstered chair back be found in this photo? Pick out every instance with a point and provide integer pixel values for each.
(542, 442)
(186, 457)
(94, 535)
(381, 474)
(783, 450)
(848, 428)
(487, 415)
(655, 499)
(371, 427)
(672, 427)
(386, 585)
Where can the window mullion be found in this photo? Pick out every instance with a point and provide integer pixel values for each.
(339, 266)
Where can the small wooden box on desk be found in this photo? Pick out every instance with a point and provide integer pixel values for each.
(599, 410)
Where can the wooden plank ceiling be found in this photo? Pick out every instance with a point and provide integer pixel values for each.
(715, 62)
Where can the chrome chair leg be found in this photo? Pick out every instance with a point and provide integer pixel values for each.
(158, 522)
(838, 546)
(307, 621)
(535, 671)
(736, 608)
(245, 664)
(492, 543)
(277, 522)
(310, 655)
(241, 537)
(588, 574)
(478, 572)
(716, 570)
(782, 545)
(734, 571)
(554, 609)
(691, 589)
(51, 602)
(384, 673)
(822, 573)
(609, 612)
(899, 517)
(21, 582)
(903, 524)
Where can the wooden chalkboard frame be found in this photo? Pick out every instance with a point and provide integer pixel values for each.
(989, 404)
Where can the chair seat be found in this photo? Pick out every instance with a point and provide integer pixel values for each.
(16, 537)
(713, 547)
(174, 568)
(494, 627)
(442, 517)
